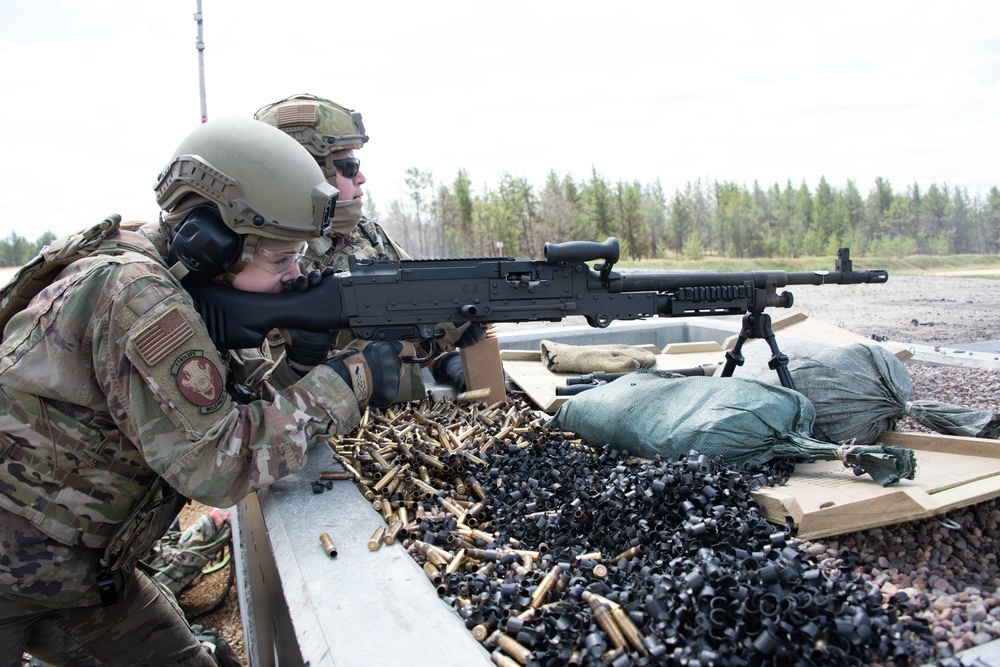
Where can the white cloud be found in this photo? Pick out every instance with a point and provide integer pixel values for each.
(97, 93)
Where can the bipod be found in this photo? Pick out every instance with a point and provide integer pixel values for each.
(758, 325)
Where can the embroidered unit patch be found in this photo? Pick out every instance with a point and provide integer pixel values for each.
(199, 381)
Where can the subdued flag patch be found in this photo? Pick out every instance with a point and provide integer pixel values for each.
(162, 336)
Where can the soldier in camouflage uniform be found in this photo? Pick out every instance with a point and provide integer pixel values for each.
(332, 132)
(113, 400)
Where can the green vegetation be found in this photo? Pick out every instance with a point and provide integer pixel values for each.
(987, 266)
(700, 220)
(722, 226)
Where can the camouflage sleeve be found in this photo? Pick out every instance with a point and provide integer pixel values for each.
(165, 384)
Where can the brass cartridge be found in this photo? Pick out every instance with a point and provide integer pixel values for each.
(336, 474)
(515, 649)
(331, 548)
(545, 585)
(376, 540)
(629, 629)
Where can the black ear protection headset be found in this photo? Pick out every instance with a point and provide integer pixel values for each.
(204, 246)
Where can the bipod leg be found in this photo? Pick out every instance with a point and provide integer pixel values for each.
(758, 325)
(734, 357)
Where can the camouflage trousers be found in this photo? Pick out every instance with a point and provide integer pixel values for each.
(145, 628)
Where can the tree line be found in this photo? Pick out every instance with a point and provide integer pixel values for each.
(719, 219)
(722, 219)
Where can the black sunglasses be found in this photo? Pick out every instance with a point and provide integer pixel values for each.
(348, 166)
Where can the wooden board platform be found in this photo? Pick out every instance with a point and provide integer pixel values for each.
(825, 498)
(525, 369)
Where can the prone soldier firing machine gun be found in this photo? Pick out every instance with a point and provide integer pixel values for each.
(406, 299)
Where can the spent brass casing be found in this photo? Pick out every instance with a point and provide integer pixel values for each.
(335, 474)
(545, 585)
(456, 562)
(376, 540)
(386, 478)
(433, 573)
(477, 488)
(632, 633)
(483, 630)
(515, 649)
(603, 617)
(387, 512)
(627, 554)
(393, 532)
(503, 660)
(331, 548)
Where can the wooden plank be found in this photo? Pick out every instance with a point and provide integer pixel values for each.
(697, 346)
(825, 498)
(799, 325)
(526, 370)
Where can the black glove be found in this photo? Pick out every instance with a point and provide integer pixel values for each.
(448, 369)
(373, 372)
(308, 280)
(474, 332)
(308, 348)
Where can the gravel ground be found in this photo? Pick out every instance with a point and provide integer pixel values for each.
(947, 565)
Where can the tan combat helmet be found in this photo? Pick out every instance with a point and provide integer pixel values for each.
(321, 125)
(263, 183)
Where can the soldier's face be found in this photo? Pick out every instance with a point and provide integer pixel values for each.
(272, 266)
(350, 188)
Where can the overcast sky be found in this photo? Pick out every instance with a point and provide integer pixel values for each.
(96, 94)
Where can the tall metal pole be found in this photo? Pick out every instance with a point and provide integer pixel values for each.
(200, 45)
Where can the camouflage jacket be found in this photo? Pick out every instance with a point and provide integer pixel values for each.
(109, 387)
(367, 241)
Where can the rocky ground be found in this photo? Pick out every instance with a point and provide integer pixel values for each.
(930, 310)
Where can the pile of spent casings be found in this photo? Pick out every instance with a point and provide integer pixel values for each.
(555, 552)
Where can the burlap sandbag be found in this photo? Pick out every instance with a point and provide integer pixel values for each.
(745, 422)
(860, 390)
(563, 358)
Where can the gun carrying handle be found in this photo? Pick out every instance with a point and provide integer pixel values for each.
(583, 251)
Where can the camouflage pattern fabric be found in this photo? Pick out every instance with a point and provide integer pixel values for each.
(109, 387)
(368, 241)
(147, 628)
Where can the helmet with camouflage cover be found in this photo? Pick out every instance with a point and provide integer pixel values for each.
(262, 181)
(321, 125)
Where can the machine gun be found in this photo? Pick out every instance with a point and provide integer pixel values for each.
(381, 299)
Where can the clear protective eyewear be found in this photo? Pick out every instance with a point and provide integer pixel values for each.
(277, 262)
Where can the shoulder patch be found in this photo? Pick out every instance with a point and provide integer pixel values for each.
(162, 335)
(199, 381)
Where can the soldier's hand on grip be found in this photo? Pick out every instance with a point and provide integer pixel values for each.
(372, 370)
(473, 333)
(308, 280)
(308, 348)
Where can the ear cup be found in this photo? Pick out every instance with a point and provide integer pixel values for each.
(204, 245)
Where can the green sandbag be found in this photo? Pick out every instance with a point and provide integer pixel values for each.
(744, 422)
(860, 390)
